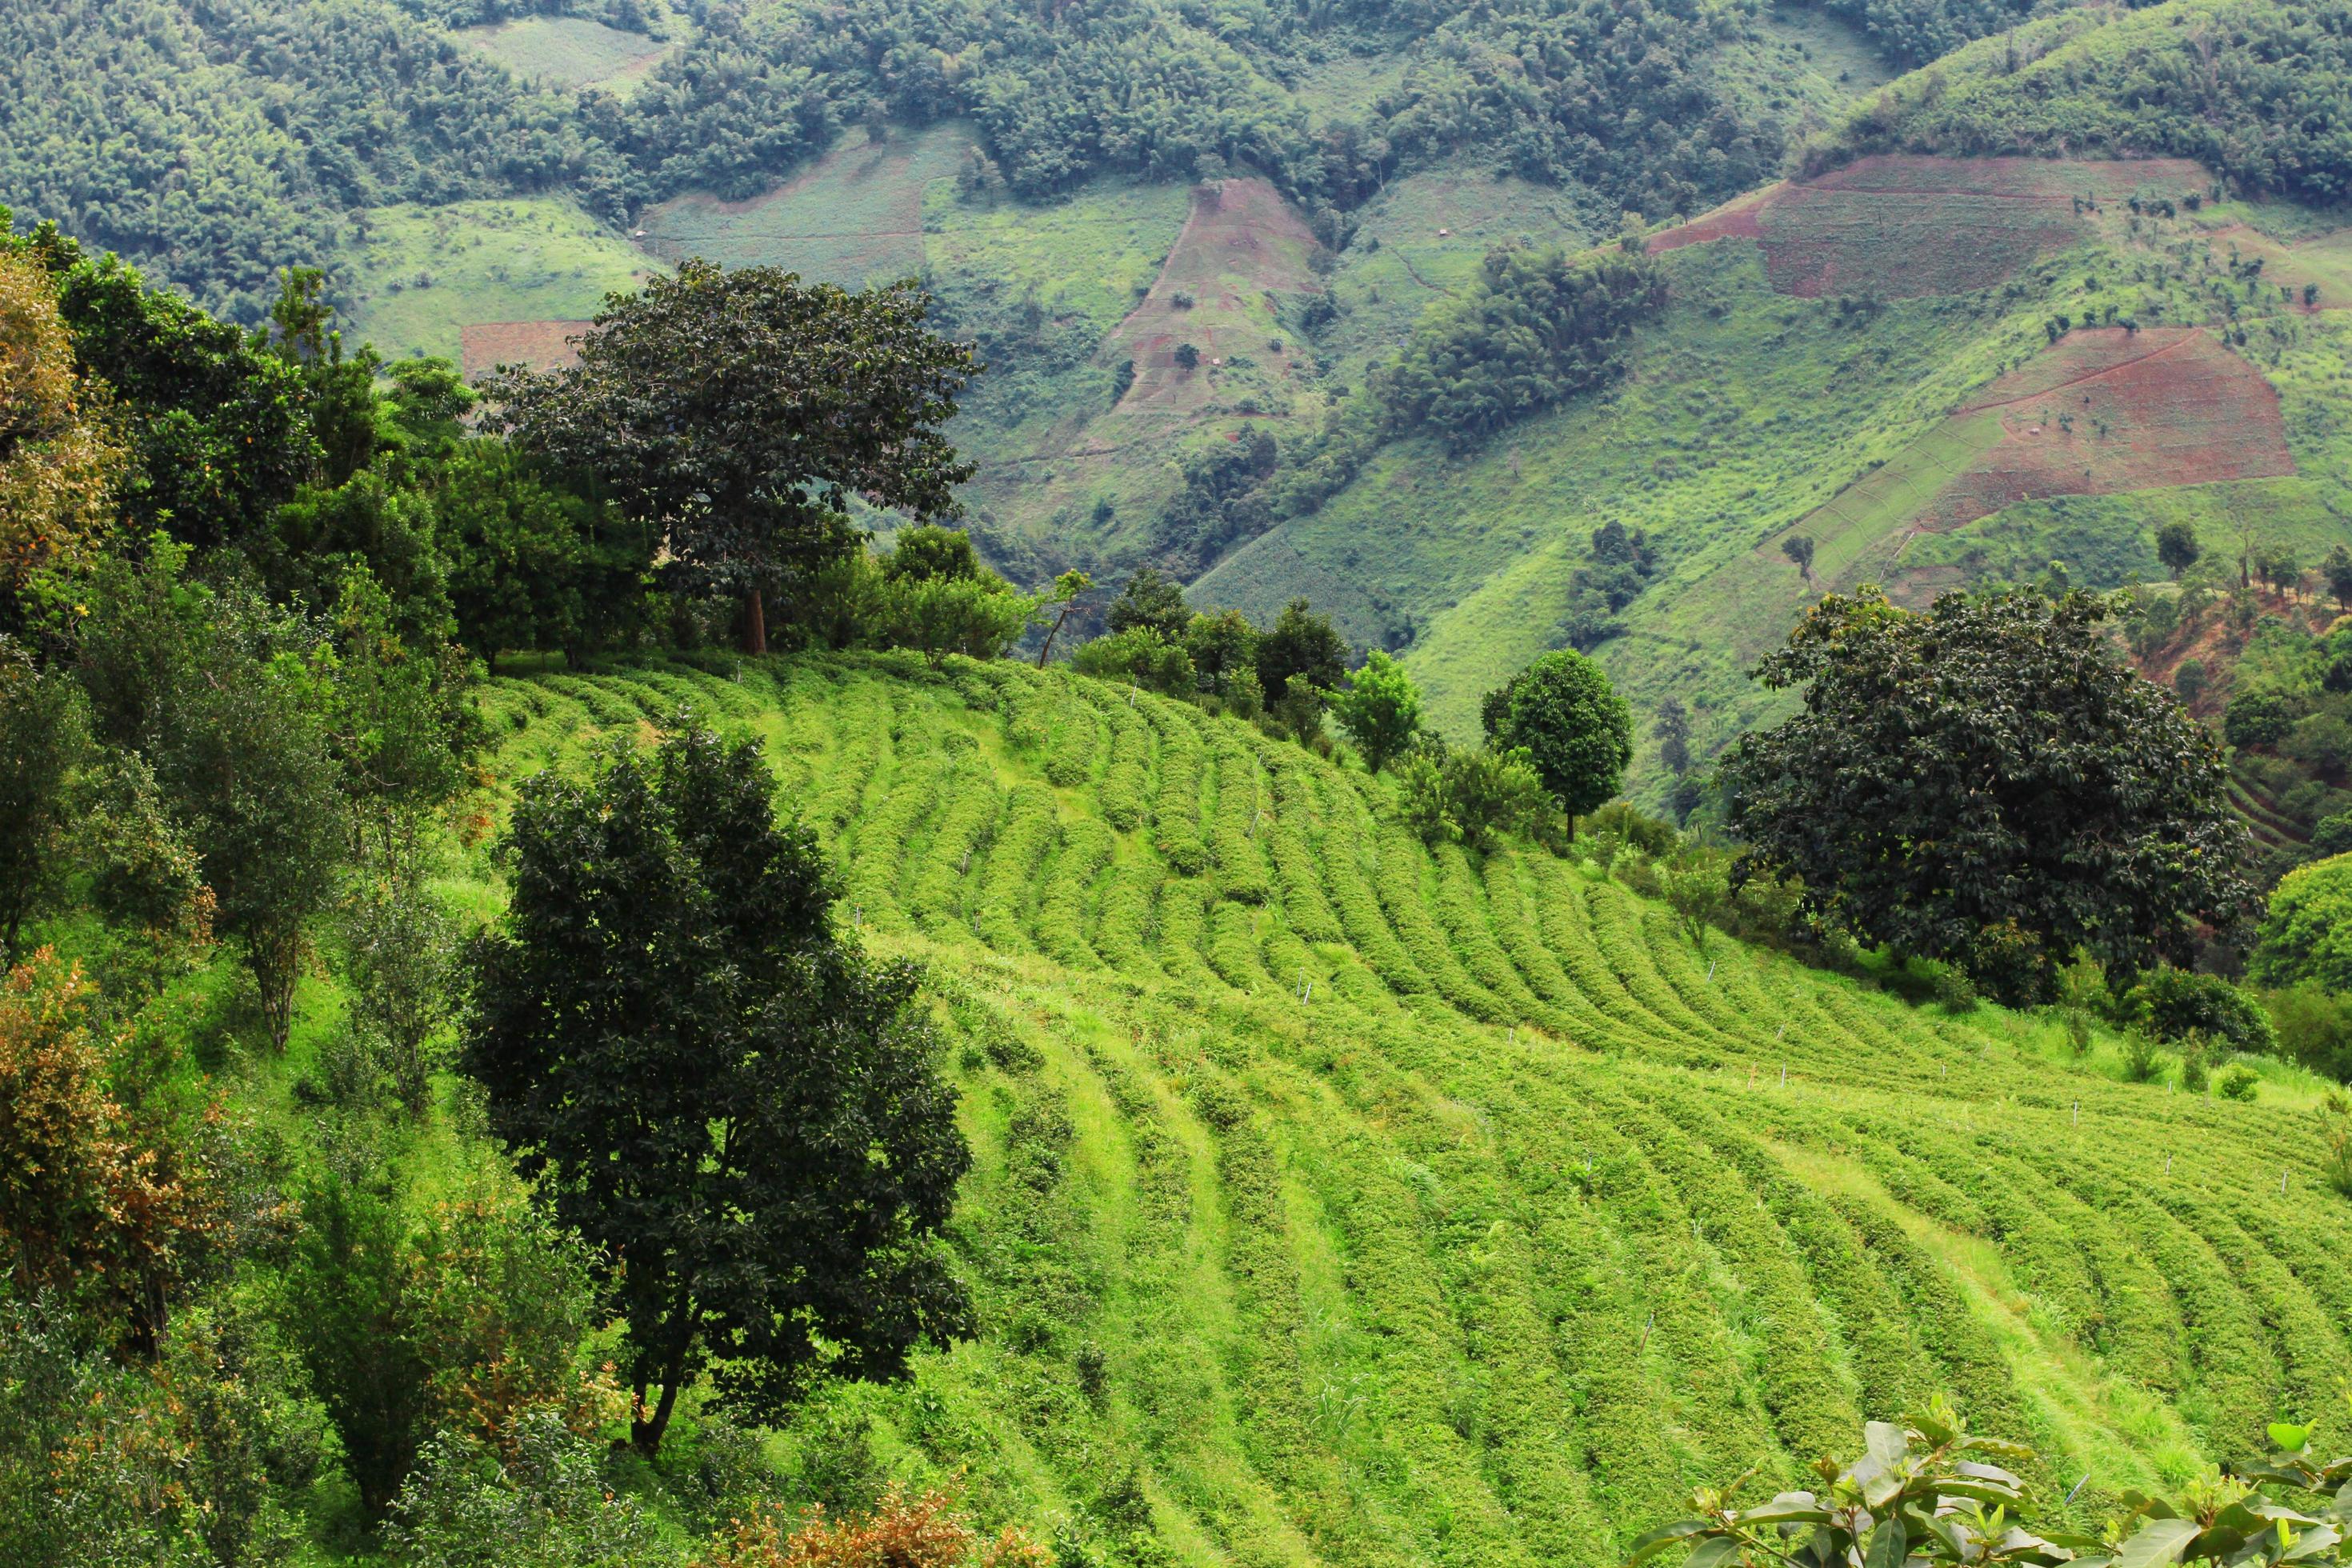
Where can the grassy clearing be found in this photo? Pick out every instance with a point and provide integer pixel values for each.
(568, 52)
(1527, 1217)
(854, 216)
(427, 273)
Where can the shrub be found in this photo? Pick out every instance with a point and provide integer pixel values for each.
(90, 1204)
(2141, 1060)
(2171, 1004)
(2196, 1065)
(2306, 935)
(2315, 1028)
(2255, 718)
(44, 732)
(1380, 708)
(979, 617)
(1928, 1493)
(2238, 1083)
(1140, 656)
(1470, 797)
(2337, 1169)
(1576, 731)
(927, 1531)
(1628, 826)
(545, 1504)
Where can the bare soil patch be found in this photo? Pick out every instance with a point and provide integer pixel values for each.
(540, 346)
(1900, 225)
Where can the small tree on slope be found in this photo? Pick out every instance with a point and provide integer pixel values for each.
(721, 1094)
(1576, 730)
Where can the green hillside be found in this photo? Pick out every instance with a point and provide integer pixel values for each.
(1338, 1203)
(1874, 359)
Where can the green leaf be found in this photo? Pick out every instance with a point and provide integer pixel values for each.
(1713, 1553)
(1887, 1443)
(1788, 1508)
(2289, 1438)
(1656, 1540)
(1888, 1545)
(2159, 1542)
(2317, 1543)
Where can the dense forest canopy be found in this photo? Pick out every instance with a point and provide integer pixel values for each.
(217, 142)
(2256, 91)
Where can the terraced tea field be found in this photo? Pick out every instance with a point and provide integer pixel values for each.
(1342, 1202)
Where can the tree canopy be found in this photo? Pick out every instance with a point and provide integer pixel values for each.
(715, 1086)
(1987, 784)
(2307, 933)
(1537, 329)
(1577, 732)
(738, 412)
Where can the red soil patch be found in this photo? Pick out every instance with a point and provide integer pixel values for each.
(2108, 410)
(2104, 411)
(1241, 248)
(540, 346)
(1736, 220)
(1901, 226)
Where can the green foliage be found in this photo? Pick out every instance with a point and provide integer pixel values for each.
(1223, 648)
(232, 699)
(1142, 656)
(720, 1064)
(187, 1461)
(1454, 794)
(1539, 329)
(1575, 730)
(979, 616)
(2036, 798)
(800, 396)
(2313, 1027)
(401, 948)
(533, 567)
(2143, 82)
(1928, 1491)
(1300, 646)
(223, 436)
(1380, 708)
(547, 1503)
(1150, 601)
(2174, 1003)
(2176, 547)
(2306, 934)
(44, 735)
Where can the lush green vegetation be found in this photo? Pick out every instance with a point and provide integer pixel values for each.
(417, 928)
(2248, 88)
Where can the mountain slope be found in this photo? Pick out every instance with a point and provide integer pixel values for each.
(1341, 1203)
(1937, 369)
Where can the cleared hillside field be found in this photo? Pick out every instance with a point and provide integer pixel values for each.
(568, 52)
(1900, 225)
(426, 275)
(853, 215)
(1342, 1202)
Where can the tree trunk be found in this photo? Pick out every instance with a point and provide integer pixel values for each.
(755, 628)
(1050, 636)
(645, 1431)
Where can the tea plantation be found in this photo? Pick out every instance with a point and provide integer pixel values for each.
(1342, 1202)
